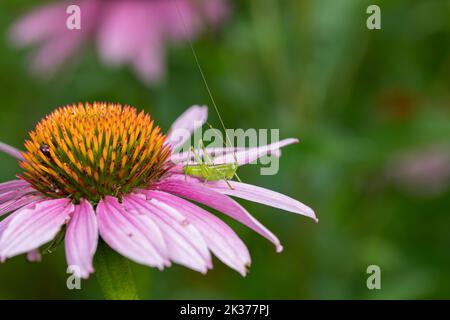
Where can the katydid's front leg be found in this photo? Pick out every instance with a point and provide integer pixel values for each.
(228, 183)
(196, 156)
(205, 173)
(235, 174)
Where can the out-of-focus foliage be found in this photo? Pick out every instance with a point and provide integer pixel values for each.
(357, 99)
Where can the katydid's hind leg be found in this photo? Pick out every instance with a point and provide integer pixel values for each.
(228, 183)
(236, 166)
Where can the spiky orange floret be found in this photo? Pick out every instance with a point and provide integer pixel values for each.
(89, 151)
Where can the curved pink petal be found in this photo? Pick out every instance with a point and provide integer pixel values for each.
(5, 223)
(33, 226)
(10, 195)
(202, 194)
(13, 185)
(120, 31)
(15, 194)
(185, 244)
(13, 152)
(262, 195)
(149, 57)
(18, 203)
(64, 42)
(55, 52)
(230, 155)
(57, 43)
(219, 237)
(181, 130)
(39, 24)
(134, 236)
(81, 238)
(249, 155)
(187, 157)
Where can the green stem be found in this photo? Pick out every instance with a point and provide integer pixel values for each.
(114, 274)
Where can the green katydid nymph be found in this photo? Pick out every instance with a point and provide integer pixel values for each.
(206, 170)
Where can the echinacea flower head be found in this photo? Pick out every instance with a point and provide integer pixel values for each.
(105, 171)
(91, 151)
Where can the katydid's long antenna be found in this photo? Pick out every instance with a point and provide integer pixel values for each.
(203, 77)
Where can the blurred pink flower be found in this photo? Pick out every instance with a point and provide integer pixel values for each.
(422, 171)
(133, 32)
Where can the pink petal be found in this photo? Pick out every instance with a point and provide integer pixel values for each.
(185, 244)
(39, 24)
(15, 194)
(4, 224)
(131, 33)
(181, 130)
(134, 236)
(120, 31)
(230, 155)
(177, 169)
(149, 56)
(55, 52)
(262, 195)
(252, 154)
(33, 226)
(13, 152)
(202, 194)
(18, 203)
(220, 238)
(13, 185)
(48, 27)
(81, 238)
(188, 157)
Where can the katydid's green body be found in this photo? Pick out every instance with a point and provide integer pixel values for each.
(211, 172)
(206, 170)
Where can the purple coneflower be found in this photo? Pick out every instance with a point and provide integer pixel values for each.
(133, 32)
(106, 170)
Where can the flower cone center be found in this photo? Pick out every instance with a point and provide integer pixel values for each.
(92, 150)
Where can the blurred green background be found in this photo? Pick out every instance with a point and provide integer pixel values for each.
(358, 100)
